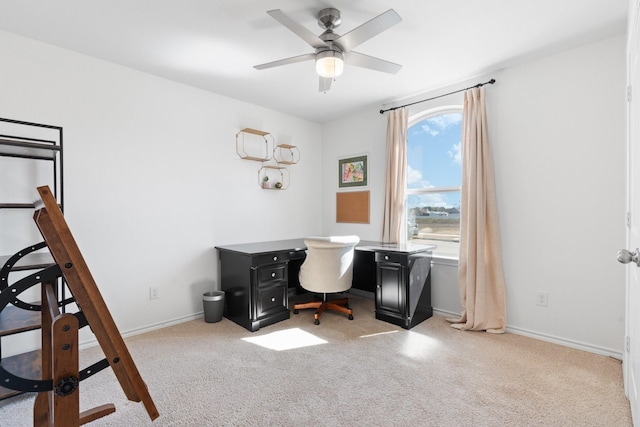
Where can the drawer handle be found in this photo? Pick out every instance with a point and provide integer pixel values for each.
(273, 299)
(386, 257)
(273, 274)
(275, 258)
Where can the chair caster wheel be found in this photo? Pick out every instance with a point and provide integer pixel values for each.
(316, 322)
(351, 317)
(295, 311)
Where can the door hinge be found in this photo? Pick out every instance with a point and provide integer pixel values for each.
(629, 93)
(628, 343)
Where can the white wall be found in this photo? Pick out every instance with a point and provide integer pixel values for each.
(153, 182)
(362, 133)
(557, 129)
(152, 178)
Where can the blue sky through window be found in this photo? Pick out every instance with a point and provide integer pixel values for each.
(434, 159)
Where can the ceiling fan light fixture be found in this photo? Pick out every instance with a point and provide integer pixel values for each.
(329, 63)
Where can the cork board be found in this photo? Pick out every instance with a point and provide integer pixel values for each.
(352, 206)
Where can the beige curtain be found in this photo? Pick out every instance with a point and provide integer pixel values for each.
(397, 123)
(482, 290)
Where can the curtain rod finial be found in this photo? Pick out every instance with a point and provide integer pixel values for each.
(381, 111)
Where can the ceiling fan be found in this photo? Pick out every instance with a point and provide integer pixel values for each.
(333, 50)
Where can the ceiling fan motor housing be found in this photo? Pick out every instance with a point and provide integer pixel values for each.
(329, 38)
(329, 18)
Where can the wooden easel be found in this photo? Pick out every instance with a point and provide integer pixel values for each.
(60, 406)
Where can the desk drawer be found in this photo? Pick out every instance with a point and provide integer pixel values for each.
(271, 300)
(272, 258)
(270, 273)
(391, 257)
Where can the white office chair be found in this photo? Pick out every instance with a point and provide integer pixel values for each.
(327, 269)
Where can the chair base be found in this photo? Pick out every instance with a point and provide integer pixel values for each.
(341, 305)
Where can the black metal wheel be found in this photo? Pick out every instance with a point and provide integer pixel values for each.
(351, 317)
(316, 322)
(295, 311)
(10, 295)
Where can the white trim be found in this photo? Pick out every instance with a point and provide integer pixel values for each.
(442, 259)
(428, 190)
(548, 338)
(148, 328)
(565, 342)
(524, 332)
(443, 313)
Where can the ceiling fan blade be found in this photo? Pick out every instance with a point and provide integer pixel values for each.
(303, 32)
(292, 60)
(325, 84)
(369, 29)
(366, 61)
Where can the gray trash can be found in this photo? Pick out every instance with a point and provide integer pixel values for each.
(213, 303)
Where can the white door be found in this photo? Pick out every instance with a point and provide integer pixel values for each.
(632, 353)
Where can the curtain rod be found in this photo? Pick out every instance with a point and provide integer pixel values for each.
(490, 82)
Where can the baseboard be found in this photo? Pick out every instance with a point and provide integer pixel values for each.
(443, 313)
(548, 338)
(566, 342)
(148, 328)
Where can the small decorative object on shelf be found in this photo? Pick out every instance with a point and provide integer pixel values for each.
(286, 154)
(279, 174)
(252, 144)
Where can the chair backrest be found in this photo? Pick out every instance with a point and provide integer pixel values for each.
(328, 267)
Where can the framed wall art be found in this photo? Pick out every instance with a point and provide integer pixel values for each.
(352, 172)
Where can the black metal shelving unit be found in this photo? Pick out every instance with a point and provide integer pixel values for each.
(20, 139)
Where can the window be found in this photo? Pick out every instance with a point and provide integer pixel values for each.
(434, 177)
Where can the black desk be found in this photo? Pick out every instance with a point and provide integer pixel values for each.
(258, 277)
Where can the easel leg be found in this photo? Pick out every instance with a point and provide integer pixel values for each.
(41, 405)
(60, 406)
(66, 393)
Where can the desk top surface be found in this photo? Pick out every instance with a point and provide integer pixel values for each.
(298, 245)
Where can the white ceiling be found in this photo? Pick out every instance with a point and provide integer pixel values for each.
(213, 44)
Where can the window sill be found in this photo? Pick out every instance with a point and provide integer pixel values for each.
(444, 259)
(445, 253)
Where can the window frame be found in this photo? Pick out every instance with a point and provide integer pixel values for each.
(414, 120)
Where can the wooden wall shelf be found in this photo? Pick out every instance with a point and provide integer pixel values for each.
(277, 175)
(252, 144)
(286, 154)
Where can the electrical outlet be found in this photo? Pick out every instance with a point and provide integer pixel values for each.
(542, 298)
(154, 293)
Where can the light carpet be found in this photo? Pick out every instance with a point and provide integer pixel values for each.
(363, 372)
